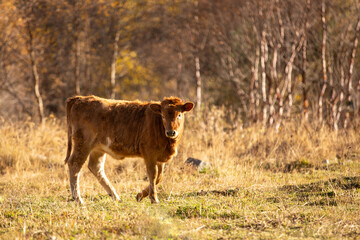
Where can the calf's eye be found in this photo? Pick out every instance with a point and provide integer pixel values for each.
(179, 116)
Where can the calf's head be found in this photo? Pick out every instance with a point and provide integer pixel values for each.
(172, 112)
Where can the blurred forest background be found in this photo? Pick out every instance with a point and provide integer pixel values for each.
(267, 61)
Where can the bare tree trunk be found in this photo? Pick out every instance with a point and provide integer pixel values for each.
(37, 87)
(76, 23)
(341, 98)
(334, 110)
(287, 85)
(77, 67)
(86, 53)
(263, 56)
(280, 94)
(323, 61)
(353, 52)
(35, 75)
(282, 31)
(113, 65)
(338, 110)
(272, 100)
(303, 70)
(254, 86)
(288, 71)
(198, 82)
(197, 60)
(334, 99)
(179, 83)
(349, 101)
(304, 91)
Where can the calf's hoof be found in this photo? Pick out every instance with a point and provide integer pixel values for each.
(78, 201)
(155, 201)
(115, 197)
(139, 197)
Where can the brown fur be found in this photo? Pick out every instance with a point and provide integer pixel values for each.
(151, 130)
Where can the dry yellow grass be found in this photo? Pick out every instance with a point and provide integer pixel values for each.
(300, 182)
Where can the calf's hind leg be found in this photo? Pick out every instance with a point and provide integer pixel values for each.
(76, 161)
(96, 166)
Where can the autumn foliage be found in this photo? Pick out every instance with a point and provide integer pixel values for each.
(269, 60)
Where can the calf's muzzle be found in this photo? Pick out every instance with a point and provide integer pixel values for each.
(171, 133)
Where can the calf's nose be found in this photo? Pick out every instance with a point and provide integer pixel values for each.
(171, 133)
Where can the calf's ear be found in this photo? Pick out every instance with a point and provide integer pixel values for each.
(188, 106)
(156, 108)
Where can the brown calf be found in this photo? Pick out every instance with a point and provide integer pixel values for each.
(96, 126)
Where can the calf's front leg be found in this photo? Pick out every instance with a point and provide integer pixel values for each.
(155, 173)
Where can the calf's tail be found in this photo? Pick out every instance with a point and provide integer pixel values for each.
(69, 103)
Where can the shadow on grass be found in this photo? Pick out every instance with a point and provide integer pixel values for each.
(345, 183)
(226, 193)
(322, 192)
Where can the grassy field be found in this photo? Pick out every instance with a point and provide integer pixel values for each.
(299, 182)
